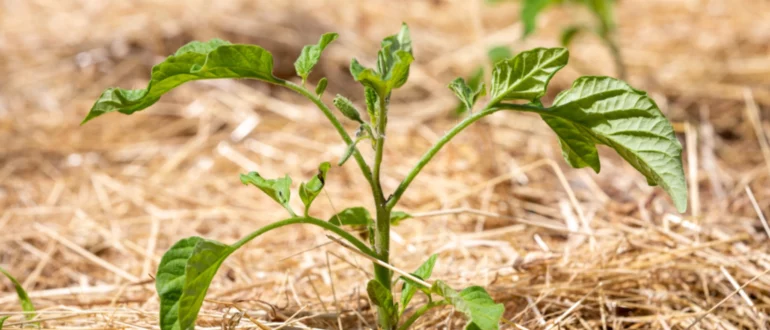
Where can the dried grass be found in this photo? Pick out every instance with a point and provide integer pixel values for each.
(86, 212)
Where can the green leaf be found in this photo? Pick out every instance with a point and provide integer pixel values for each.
(530, 9)
(382, 298)
(464, 92)
(26, 303)
(604, 110)
(183, 277)
(397, 216)
(526, 76)
(347, 108)
(354, 216)
(310, 190)
(474, 81)
(277, 189)
(371, 104)
(393, 61)
(351, 149)
(475, 303)
(321, 87)
(569, 33)
(2, 321)
(311, 54)
(499, 53)
(423, 272)
(214, 59)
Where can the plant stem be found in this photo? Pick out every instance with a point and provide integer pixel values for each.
(382, 224)
(620, 68)
(419, 312)
(488, 110)
(336, 123)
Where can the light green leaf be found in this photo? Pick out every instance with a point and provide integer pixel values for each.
(354, 216)
(423, 272)
(475, 303)
(277, 189)
(347, 108)
(2, 321)
(604, 110)
(464, 92)
(214, 59)
(530, 9)
(310, 190)
(474, 82)
(26, 303)
(311, 54)
(569, 33)
(321, 87)
(381, 297)
(526, 76)
(397, 216)
(499, 53)
(393, 61)
(371, 104)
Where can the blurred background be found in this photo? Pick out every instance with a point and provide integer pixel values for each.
(86, 212)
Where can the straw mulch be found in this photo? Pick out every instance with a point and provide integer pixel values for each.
(87, 212)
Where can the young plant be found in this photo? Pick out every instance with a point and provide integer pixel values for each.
(26, 303)
(596, 110)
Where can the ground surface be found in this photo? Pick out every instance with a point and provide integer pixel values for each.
(86, 212)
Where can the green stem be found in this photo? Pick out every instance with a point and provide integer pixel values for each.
(419, 312)
(382, 225)
(337, 125)
(490, 109)
(311, 221)
(620, 68)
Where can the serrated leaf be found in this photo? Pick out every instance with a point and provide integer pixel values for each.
(526, 76)
(465, 93)
(475, 303)
(354, 216)
(499, 53)
(423, 272)
(530, 9)
(382, 298)
(604, 110)
(277, 189)
(347, 108)
(393, 61)
(26, 303)
(311, 54)
(183, 277)
(397, 216)
(309, 191)
(214, 59)
(321, 87)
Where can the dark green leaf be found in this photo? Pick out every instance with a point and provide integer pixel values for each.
(499, 53)
(347, 108)
(475, 303)
(321, 87)
(381, 297)
(424, 272)
(214, 59)
(569, 33)
(526, 76)
(311, 54)
(277, 189)
(464, 92)
(26, 303)
(397, 216)
(310, 190)
(530, 9)
(169, 280)
(604, 110)
(393, 61)
(354, 216)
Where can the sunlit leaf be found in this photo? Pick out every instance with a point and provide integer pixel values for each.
(354, 216)
(423, 272)
(393, 61)
(311, 54)
(214, 59)
(465, 93)
(604, 110)
(26, 303)
(474, 82)
(397, 216)
(309, 191)
(526, 76)
(482, 312)
(277, 189)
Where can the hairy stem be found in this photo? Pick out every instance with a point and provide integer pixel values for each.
(488, 110)
(367, 172)
(419, 312)
(382, 225)
(311, 221)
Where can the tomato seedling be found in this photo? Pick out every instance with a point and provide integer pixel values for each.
(596, 110)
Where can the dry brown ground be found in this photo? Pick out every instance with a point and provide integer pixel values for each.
(86, 212)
